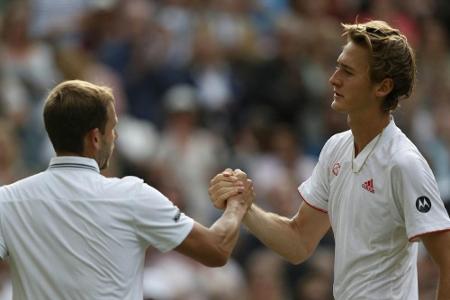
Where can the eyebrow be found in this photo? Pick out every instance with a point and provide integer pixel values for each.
(345, 66)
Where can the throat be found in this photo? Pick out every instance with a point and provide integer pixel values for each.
(365, 132)
(357, 149)
(361, 144)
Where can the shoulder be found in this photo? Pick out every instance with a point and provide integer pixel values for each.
(129, 185)
(339, 139)
(406, 157)
(125, 181)
(132, 188)
(24, 183)
(336, 143)
(407, 163)
(137, 187)
(398, 149)
(403, 153)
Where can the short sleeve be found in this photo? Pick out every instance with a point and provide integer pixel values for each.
(416, 193)
(315, 190)
(158, 222)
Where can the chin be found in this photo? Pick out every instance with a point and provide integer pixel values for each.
(105, 165)
(338, 107)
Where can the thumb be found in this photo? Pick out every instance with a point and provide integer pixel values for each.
(240, 174)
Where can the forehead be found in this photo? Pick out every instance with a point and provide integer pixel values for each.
(354, 56)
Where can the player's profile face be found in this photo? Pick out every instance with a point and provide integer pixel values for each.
(108, 139)
(353, 91)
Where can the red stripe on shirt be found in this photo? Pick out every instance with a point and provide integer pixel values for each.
(309, 204)
(436, 231)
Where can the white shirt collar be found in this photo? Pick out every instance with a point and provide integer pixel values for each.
(74, 162)
(359, 161)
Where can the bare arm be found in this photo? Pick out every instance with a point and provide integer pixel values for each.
(294, 239)
(438, 246)
(213, 246)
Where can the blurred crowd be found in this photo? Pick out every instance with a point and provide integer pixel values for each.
(201, 85)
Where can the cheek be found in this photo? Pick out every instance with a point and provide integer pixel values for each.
(111, 136)
(359, 86)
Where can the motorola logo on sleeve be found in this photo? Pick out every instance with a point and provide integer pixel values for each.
(423, 204)
(177, 216)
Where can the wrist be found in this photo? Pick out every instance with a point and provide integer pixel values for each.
(238, 202)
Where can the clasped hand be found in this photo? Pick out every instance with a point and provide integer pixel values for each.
(231, 186)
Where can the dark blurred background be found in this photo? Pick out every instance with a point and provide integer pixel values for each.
(203, 85)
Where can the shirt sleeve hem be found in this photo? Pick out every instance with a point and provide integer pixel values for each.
(186, 230)
(313, 206)
(416, 237)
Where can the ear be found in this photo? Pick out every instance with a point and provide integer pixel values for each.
(384, 87)
(92, 140)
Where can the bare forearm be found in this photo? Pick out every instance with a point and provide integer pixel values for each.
(437, 244)
(226, 228)
(444, 285)
(277, 233)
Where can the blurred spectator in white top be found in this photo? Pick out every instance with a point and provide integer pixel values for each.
(277, 173)
(188, 155)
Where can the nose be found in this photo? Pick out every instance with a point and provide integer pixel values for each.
(334, 81)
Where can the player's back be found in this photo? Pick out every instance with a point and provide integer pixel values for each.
(69, 234)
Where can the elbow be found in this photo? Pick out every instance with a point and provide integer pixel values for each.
(296, 260)
(301, 255)
(216, 263)
(215, 256)
(216, 259)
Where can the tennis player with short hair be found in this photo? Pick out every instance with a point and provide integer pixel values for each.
(371, 184)
(71, 233)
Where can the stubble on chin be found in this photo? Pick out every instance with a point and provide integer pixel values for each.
(104, 164)
(103, 158)
(104, 161)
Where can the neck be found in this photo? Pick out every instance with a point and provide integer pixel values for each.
(365, 129)
(68, 153)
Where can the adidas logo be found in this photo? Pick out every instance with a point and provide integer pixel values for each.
(368, 185)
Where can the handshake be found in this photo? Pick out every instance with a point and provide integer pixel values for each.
(231, 186)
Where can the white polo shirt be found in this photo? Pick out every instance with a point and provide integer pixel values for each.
(377, 203)
(71, 233)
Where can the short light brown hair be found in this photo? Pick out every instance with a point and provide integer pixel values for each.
(391, 57)
(72, 109)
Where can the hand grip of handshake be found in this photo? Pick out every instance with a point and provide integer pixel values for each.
(228, 184)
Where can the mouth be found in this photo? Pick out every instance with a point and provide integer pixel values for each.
(337, 95)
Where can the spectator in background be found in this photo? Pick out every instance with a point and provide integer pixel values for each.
(276, 174)
(11, 167)
(214, 80)
(31, 63)
(266, 276)
(175, 277)
(188, 154)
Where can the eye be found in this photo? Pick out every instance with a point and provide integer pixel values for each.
(347, 72)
